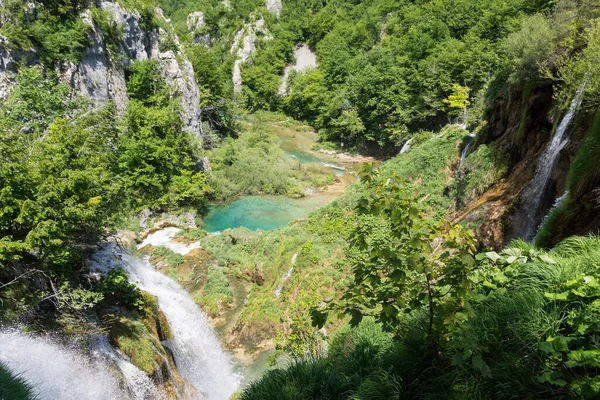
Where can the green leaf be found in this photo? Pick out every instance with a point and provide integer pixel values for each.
(481, 366)
(557, 296)
(461, 358)
(319, 318)
(546, 347)
(398, 276)
(546, 259)
(492, 255)
(560, 343)
(356, 318)
(413, 212)
(511, 259)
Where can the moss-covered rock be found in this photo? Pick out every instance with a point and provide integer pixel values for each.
(134, 339)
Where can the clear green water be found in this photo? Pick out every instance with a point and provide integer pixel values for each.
(262, 212)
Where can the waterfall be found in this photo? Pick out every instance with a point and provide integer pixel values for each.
(534, 193)
(406, 146)
(557, 203)
(139, 385)
(286, 277)
(464, 153)
(197, 351)
(164, 237)
(57, 372)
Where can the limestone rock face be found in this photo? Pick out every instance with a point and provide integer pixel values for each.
(195, 21)
(101, 78)
(274, 6)
(7, 64)
(244, 44)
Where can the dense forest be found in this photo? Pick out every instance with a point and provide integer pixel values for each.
(447, 151)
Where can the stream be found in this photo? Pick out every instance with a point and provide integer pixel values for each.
(58, 371)
(272, 212)
(195, 346)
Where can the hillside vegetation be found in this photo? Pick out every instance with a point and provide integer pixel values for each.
(411, 285)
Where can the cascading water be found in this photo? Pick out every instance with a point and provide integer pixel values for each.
(57, 372)
(287, 276)
(534, 194)
(164, 237)
(557, 203)
(139, 385)
(197, 351)
(464, 153)
(406, 146)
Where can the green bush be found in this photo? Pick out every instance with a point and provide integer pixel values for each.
(164, 255)
(529, 333)
(118, 290)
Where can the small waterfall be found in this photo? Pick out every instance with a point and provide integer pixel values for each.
(464, 153)
(164, 237)
(557, 203)
(196, 349)
(139, 385)
(55, 371)
(287, 276)
(406, 146)
(534, 194)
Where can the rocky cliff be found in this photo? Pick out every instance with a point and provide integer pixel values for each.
(521, 121)
(100, 74)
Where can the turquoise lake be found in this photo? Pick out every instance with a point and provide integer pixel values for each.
(272, 212)
(262, 212)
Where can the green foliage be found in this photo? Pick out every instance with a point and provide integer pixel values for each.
(256, 164)
(191, 234)
(165, 256)
(458, 101)
(482, 168)
(530, 333)
(117, 290)
(13, 386)
(157, 157)
(216, 292)
(386, 66)
(425, 169)
(58, 187)
(53, 28)
(133, 338)
(402, 263)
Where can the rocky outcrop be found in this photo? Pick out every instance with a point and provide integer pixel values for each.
(305, 60)
(195, 21)
(520, 124)
(141, 340)
(274, 6)
(7, 64)
(101, 77)
(244, 44)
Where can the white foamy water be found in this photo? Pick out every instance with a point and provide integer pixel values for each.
(534, 194)
(57, 372)
(196, 348)
(286, 277)
(164, 237)
(139, 385)
(464, 153)
(406, 146)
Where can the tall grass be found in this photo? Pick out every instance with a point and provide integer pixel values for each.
(14, 387)
(505, 327)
